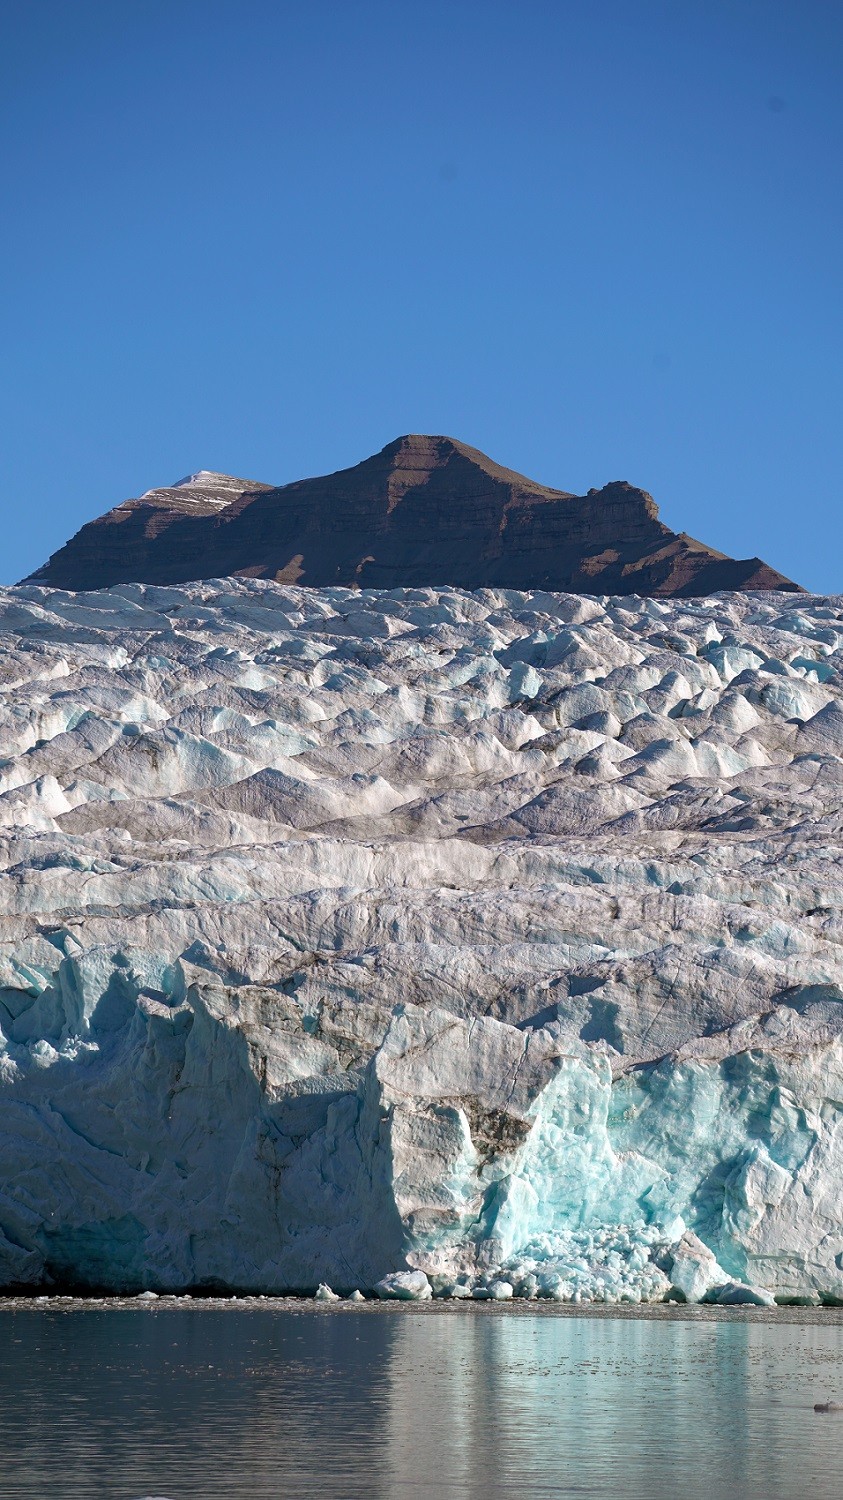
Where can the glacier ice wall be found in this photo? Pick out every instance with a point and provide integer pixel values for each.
(496, 935)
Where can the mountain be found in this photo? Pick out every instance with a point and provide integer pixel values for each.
(423, 511)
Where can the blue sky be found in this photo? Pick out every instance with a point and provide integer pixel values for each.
(597, 240)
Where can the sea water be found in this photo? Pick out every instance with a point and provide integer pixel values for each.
(234, 1401)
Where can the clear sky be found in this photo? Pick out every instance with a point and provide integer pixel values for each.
(598, 239)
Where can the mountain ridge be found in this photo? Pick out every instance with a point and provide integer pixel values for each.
(425, 510)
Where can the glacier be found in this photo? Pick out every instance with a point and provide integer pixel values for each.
(485, 943)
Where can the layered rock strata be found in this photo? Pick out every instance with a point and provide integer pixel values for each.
(424, 510)
(493, 935)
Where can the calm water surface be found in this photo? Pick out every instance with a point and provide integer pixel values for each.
(233, 1403)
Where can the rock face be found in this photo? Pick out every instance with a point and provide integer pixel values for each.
(424, 510)
(494, 936)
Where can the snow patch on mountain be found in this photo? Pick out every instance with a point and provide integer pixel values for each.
(205, 487)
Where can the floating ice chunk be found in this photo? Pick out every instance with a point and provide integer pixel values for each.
(324, 1294)
(406, 1286)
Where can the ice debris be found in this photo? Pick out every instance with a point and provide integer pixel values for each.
(735, 1294)
(695, 1272)
(405, 1286)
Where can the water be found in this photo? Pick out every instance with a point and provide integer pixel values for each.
(241, 1403)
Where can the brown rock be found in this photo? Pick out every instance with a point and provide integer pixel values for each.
(423, 511)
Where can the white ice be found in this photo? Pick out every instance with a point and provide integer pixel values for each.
(491, 936)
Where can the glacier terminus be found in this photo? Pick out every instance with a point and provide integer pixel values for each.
(466, 943)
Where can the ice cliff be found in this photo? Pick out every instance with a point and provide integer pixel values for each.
(495, 935)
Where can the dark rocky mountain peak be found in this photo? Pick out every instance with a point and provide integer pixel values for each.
(423, 511)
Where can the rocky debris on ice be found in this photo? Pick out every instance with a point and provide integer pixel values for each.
(493, 937)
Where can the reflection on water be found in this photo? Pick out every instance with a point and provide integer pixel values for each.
(232, 1404)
